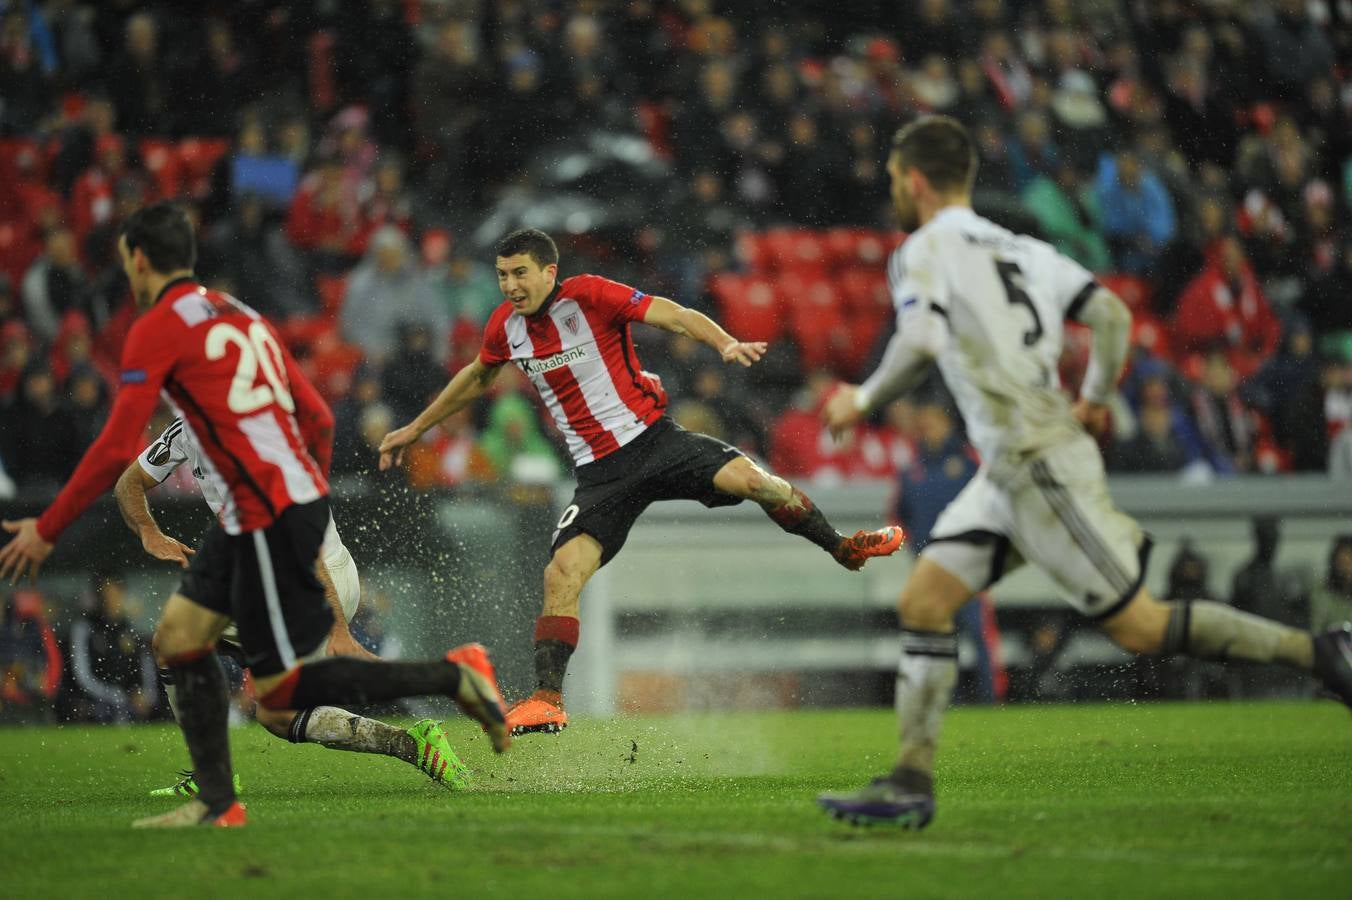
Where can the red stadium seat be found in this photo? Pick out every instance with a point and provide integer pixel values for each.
(331, 290)
(161, 160)
(749, 307)
(1134, 291)
(864, 292)
(750, 251)
(197, 159)
(816, 319)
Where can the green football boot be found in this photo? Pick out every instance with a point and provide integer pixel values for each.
(436, 758)
(187, 787)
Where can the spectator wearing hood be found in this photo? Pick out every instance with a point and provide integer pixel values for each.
(1138, 214)
(55, 285)
(1288, 392)
(386, 291)
(39, 440)
(514, 444)
(110, 660)
(1067, 211)
(1224, 309)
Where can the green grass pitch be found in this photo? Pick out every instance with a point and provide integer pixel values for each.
(1219, 800)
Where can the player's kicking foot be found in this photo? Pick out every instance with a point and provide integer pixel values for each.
(853, 552)
(883, 802)
(1333, 661)
(195, 813)
(187, 787)
(436, 758)
(478, 696)
(541, 712)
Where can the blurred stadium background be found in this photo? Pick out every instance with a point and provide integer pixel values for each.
(350, 162)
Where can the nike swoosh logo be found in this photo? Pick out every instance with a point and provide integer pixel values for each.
(519, 344)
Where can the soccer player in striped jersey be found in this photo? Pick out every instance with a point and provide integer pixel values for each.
(264, 431)
(987, 306)
(571, 338)
(424, 745)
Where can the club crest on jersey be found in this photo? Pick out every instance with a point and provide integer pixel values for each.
(570, 322)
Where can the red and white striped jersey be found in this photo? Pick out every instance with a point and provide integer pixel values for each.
(577, 351)
(242, 399)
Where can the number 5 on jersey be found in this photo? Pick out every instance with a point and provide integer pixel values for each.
(257, 349)
(1011, 276)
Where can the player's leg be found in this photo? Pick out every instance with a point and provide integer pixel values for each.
(1068, 525)
(792, 510)
(590, 532)
(184, 645)
(284, 620)
(424, 745)
(1207, 630)
(963, 558)
(926, 675)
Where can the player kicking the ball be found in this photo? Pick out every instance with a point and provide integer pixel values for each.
(571, 338)
(260, 428)
(424, 745)
(988, 306)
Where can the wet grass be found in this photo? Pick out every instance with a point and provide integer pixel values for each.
(1221, 800)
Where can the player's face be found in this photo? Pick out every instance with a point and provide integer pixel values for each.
(135, 267)
(902, 198)
(524, 282)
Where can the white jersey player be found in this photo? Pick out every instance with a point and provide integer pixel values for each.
(424, 745)
(988, 307)
(174, 448)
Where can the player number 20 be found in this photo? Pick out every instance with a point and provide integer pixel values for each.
(257, 349)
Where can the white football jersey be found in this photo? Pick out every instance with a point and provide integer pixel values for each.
(1005, 297)
(175, 446)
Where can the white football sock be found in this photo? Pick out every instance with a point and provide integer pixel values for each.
(925, 679)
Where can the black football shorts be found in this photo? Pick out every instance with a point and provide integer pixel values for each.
(665, 462)
(265, 580)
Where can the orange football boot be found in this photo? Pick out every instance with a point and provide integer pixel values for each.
(541, 712)
(478, 694)
(853, 552)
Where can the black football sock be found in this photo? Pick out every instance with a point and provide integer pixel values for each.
(1204, 629)
(341, 679)
(556, 638)
(170, 690)
(801, 516)
(204, 712)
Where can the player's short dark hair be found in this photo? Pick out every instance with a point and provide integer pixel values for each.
(941, 148)
(533, 242)
(164, 233)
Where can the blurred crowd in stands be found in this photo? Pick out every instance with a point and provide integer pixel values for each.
(340, 154)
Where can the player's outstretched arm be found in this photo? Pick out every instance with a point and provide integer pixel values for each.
(1110, 320)
(671, 316)
(905, 362)
(465, 387)
(135, 508)
(341, 642)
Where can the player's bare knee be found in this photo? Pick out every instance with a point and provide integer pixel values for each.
(277, 721)
(1140, 627)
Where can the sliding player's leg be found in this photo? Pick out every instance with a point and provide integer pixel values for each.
(284, 622)
(792, 510)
